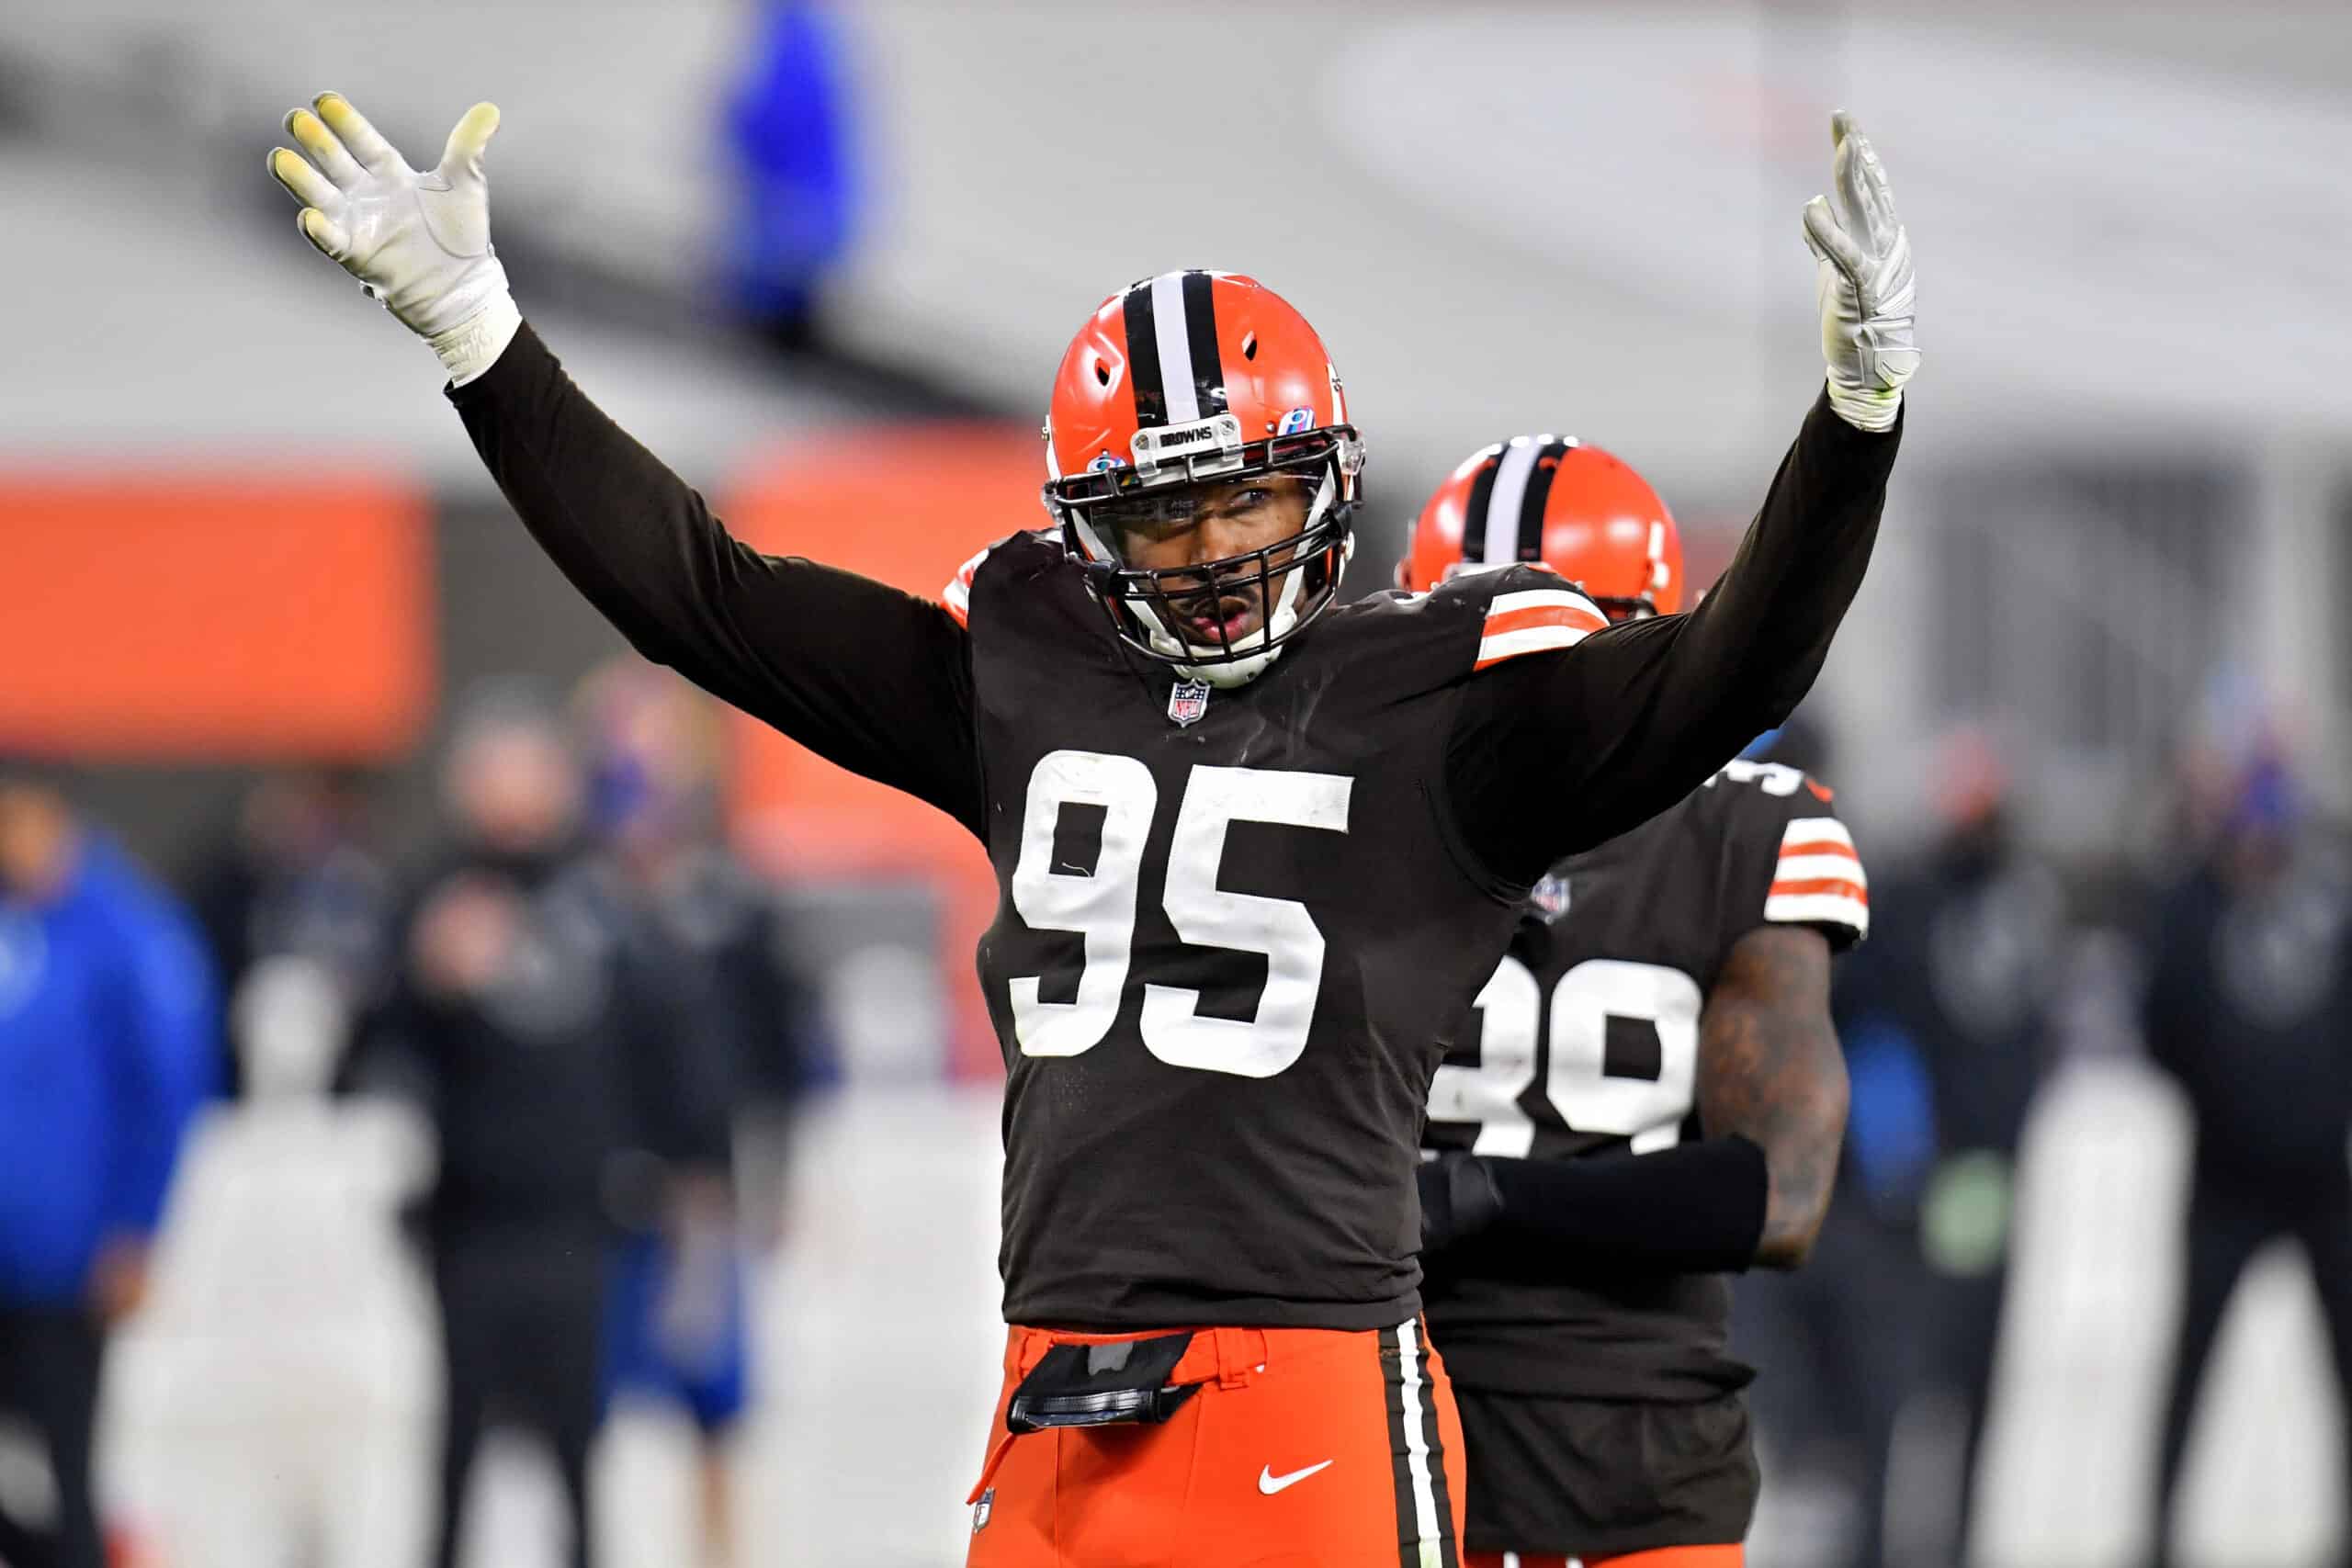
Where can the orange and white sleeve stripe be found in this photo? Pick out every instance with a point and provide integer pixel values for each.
(1534, 620)
(1820, 879)
(956, 597)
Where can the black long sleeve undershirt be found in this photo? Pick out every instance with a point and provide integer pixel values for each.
(1557, 752)
(863, 674)
(1695, 1209)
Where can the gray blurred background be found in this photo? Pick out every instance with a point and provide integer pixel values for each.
(2114, 557)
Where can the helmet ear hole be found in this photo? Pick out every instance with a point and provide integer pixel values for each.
(1250, 346)
(1102, 373)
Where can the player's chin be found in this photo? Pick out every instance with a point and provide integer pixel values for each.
(1214, 626)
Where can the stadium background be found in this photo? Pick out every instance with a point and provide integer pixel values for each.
(240, 530)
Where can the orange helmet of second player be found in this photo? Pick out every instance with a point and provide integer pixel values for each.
(1551, 501)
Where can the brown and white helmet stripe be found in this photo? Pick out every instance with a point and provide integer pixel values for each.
(1172, 355)
(1503, 522)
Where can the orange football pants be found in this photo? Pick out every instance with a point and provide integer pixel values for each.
(1730, 1556)
(1304, 1448)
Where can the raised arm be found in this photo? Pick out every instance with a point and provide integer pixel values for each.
(874, 679)
(1631, 719)
(860, 673)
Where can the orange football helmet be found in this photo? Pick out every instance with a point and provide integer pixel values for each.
(1551, 500)
(1193, 378)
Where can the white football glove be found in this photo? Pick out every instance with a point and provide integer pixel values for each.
(1863, 283)
(420, 243)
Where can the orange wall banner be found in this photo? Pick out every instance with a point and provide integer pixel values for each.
(169, 615)
(907, 505)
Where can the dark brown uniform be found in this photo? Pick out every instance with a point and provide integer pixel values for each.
(1602, 1404)
(1229, 952)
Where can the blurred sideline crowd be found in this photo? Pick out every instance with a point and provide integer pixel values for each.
(2219, 943)
(548, 1069)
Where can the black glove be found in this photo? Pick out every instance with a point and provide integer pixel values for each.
(1459, 1199)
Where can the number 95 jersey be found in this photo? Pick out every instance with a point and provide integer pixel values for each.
(1233, 933)
(1236, 927)
(1585, 1044)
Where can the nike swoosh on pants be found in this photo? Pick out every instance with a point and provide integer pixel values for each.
(1270, 1483)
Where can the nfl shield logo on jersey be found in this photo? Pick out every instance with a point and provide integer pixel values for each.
(1188, 702)
(982, 1509)
(1551, 897)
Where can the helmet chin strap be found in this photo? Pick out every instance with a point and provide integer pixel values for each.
(1228, 674)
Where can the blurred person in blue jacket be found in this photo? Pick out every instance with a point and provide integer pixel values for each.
(677, 1324)
(2249, 1008)
(109, 1041)
(786, 134)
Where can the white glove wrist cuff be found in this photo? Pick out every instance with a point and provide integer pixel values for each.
(469, 349)
(1872, 409)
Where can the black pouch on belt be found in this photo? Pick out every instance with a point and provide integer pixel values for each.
(1101, 1385)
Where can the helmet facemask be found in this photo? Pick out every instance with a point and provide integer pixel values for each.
(1183, 616)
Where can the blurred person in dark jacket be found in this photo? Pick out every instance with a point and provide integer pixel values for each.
(2249, 1007)
(110, 1033)
(677, 1326)
(1963, 977)
(1840, 1336)
(299, 877)
(657, 777)
(536, 1011)
(1943, 1016)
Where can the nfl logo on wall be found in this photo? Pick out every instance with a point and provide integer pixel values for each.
(1188, 702)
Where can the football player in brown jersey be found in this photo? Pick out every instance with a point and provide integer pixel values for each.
(1257, 851)
(1650, 1095)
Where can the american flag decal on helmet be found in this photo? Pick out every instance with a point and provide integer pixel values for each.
(1534, 620)
(1819, 880)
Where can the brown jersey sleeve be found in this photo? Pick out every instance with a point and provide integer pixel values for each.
(1557, 752)
(1788, 859)
(864, 675)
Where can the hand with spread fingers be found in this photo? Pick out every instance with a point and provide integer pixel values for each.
(1863, 283)
(418, 241)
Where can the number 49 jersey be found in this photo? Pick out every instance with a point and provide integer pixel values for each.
(1585, 1044)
